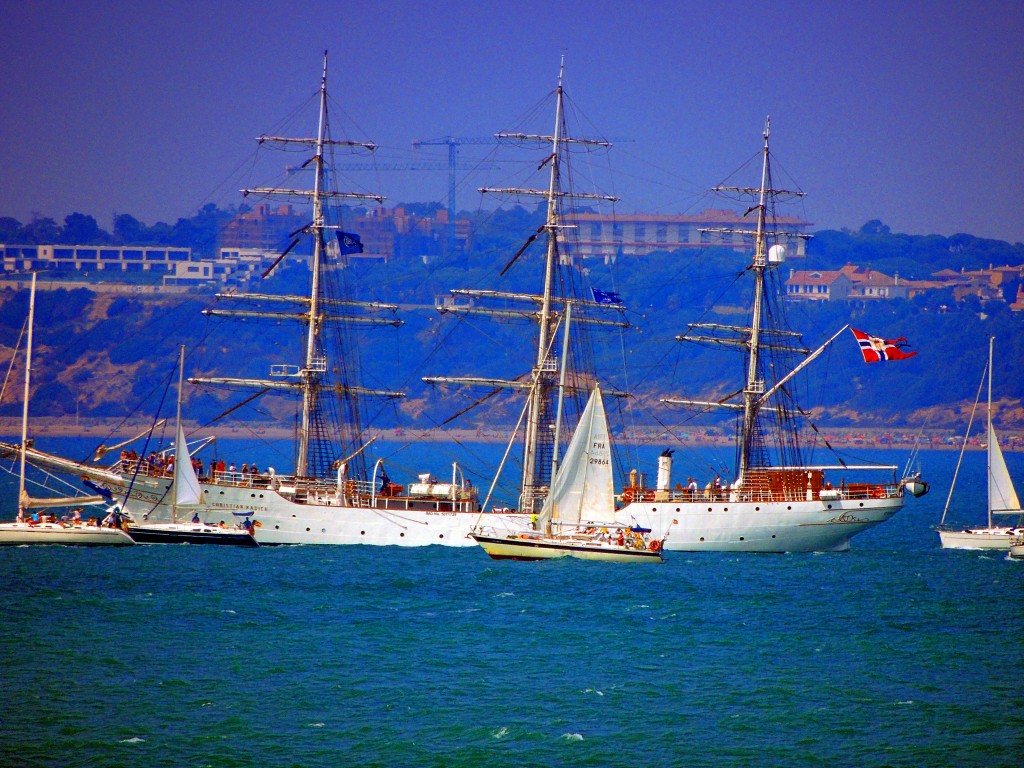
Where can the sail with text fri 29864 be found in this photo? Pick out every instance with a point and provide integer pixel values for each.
(583, 487)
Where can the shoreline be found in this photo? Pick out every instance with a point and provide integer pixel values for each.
(106, 431)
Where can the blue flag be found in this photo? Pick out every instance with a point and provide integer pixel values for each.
(349, 242)
(606, 297)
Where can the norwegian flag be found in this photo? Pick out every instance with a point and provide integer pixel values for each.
(876, 349)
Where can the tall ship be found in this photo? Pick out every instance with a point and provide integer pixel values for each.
(777, 501)
(563, 308)
(335, 494)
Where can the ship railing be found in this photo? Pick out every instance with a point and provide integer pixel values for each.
(763, 494)
(145, 468)
(863, 491)
(242, 479)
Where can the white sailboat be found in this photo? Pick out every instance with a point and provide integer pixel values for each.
(335, 495)
(187, 495)
(577, 518)
(46, 529)
(1017, 548)
(1002, 497)
(777, 501)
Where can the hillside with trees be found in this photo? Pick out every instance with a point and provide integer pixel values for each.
(110, 356)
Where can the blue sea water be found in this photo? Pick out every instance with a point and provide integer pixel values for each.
(896, 653)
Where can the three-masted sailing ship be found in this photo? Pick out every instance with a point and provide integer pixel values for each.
(334, 495)
(777, 502)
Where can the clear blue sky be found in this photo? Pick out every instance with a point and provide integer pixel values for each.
(910, 112)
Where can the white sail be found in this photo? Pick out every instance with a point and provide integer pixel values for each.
(1002, 498)
(583, 488)
(186, 484)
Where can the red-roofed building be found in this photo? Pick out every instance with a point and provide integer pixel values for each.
(871, 284)
(819, 285)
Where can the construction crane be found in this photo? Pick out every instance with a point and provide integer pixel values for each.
(451, 166)
(453, 143)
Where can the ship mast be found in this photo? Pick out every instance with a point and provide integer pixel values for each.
(549, 308)
(541, 371)
(755, 339)
(309, 379)
(754, 385)
(309, 375)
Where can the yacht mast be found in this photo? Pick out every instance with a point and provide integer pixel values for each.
(24, 407)
(180, 449)
(990, 435)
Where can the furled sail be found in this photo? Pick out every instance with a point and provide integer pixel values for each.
(27, 502)
(583, 488)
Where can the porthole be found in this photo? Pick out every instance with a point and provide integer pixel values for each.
(362, 533)
(862, 503)
(757, 509)
(702, 538)
(709, 509)
(741, 538)
(261, 495)
(307, 530)
(277, 527)
(773, 535)
(654, 509)
(323, 530)
(222, 493)
(725, 509)
(402, 535)
(252, 495)
(789, 508)
(441, 536)
(677, 509)
(830, 506)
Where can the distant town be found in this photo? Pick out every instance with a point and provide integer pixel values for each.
(246, 243)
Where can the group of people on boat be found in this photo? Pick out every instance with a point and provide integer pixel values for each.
(68, 519)
(713, 490)
(249, 523)
(162, 465)
(621, 537)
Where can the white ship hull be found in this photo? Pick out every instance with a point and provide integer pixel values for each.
(390, 521)
(793, 526)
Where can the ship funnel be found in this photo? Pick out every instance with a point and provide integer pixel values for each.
(665, 469)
